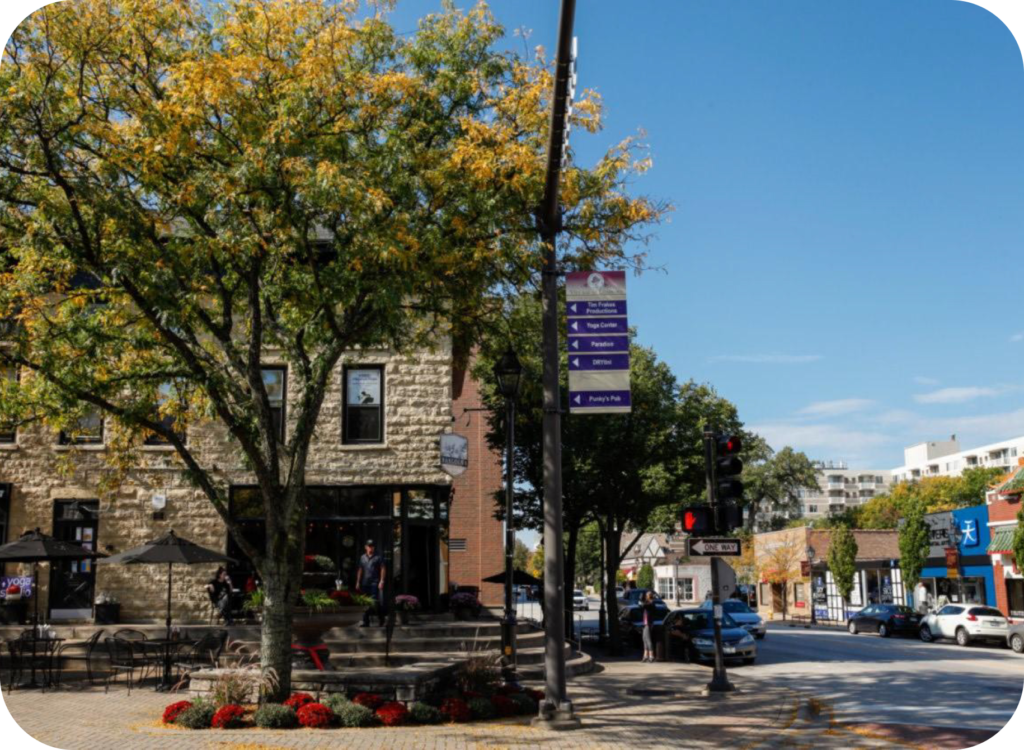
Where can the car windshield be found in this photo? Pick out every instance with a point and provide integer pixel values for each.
(702, 620)
(577, 592)
(736, 607)
(902, 609)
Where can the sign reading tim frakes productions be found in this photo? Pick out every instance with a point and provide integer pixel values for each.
(598, 342)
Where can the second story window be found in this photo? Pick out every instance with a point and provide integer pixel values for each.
(7, 431)
(363, 418)
(87, 431)
(274, 383)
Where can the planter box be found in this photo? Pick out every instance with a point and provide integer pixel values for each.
(107, 614)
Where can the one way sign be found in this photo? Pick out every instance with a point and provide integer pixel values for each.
(701, 547)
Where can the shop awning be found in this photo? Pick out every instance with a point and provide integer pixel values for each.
(1002, 540)
(1014, 485)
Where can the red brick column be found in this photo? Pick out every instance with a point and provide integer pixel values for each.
(1002, 602)
(471, 517)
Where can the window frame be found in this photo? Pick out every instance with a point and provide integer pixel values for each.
(10, 438)
(345, 422)
(64, 439)
(153, 439)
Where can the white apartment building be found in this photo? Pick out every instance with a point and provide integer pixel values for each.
(943, 458)
(840, 487)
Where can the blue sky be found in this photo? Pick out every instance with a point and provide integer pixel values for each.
(844, 257)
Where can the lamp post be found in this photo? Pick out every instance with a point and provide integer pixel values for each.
(810, 567)
(507, 373)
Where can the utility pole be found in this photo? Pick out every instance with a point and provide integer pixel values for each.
(719, 681)
(556, 710)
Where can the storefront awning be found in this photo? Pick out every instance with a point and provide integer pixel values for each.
(1002, 540)
(1014, 485)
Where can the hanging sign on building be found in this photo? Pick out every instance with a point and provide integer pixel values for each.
(598, 345)
(454, 453)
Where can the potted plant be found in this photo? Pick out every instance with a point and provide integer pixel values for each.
(464, 605)
(404, 605)
(108, 610)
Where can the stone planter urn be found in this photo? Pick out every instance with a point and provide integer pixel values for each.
(108, 614)
(403, 617)
(308, 628)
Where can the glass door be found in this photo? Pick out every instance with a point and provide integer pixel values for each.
(73, 582)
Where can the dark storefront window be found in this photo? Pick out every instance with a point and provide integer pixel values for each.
(363, 420)
(7, 431)
(72, 582)
(1015, 596)
(5, 513)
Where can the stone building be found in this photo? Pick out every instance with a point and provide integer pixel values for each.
(1003, 504)
(374, 472)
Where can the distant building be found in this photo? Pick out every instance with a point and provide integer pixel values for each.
(841, 488)
(1004, 503)
(944, 458)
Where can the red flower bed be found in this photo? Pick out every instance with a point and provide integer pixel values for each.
(315, 716)
(172, 711)
(228, 717)
(469, 695)
(342, 597)
(371, 700)
(456, 709)
(298, 700)
(508, 689)
(393, 714)
(503, 705)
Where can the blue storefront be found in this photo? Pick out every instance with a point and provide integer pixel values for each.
(958, 569)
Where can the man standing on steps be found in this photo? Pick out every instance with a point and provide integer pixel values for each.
(370, 581)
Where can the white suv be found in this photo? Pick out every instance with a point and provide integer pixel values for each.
(965, 623)
(580, 601)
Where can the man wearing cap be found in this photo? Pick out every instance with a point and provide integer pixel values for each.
(370, 581)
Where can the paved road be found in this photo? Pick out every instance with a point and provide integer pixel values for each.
(894, 680)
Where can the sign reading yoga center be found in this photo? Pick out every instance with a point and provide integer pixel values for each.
(598, 342)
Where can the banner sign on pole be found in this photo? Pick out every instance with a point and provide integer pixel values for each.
(598, 346)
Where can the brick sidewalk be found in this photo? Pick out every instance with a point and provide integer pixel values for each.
(624, 704)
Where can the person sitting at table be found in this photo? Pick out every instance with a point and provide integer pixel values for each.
(219, 589)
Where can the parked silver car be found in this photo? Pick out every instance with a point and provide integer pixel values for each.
(1015, 637)
(747, 618)
(579, 600)
(965, 623)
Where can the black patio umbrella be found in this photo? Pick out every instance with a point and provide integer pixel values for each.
(36, 547)
(170, 549)
(519, 578)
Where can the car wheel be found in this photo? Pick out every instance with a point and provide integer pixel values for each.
(749, 661)
(1017, 644)
(852, 627)
(926, 634)
(962, 638)
(883, 630)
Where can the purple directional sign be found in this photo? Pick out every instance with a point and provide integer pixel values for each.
(598, 361)
(593, 307)
(595, 399)
(584, 344)
(598, 325)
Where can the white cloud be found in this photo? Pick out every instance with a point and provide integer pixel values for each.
(768, 359)
(1017, 338)
(836, 407)
(922, 380)
(956, 395)
(826, 441)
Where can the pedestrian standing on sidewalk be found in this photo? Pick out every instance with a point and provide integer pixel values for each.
(370, 582)
(649, 610)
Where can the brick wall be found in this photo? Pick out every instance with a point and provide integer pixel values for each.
(473, 505)
(1003, 509)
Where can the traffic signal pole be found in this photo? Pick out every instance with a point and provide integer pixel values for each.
(555, 711)
(719, 681)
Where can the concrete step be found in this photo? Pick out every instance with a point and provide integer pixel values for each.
(408, 644)
(577, 665)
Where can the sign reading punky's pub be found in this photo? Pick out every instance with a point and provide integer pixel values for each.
(595, 303)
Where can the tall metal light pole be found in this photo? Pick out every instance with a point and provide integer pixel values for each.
(555, 710)
(507, 372)
(719, 681)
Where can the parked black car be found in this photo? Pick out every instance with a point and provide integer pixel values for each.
(884, 619)
(689, 635)
(631, 623)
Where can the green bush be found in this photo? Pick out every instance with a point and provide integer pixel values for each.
(198, 716)
(335, 701)
(275, 716)
(424, 713)
(645, 578)
(482, 708)
(524, 703)
(354, 715)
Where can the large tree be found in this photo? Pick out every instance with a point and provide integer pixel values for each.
(842, 561)
(771, 484)
(914, 544)
(184, 185)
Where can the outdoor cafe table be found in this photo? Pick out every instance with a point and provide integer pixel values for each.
(49, 654)
(168, 646)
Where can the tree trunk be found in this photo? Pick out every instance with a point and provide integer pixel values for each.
(613, 540)
(569, 571)
(276, 631)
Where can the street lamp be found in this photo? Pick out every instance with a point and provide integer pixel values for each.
(810, 568)
(507, 373)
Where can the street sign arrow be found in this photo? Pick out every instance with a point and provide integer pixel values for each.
(713, 547)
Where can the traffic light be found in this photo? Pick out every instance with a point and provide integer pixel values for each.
(697, 520)
(728, 487)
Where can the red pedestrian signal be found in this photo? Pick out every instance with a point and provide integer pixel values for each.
(697, 520)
